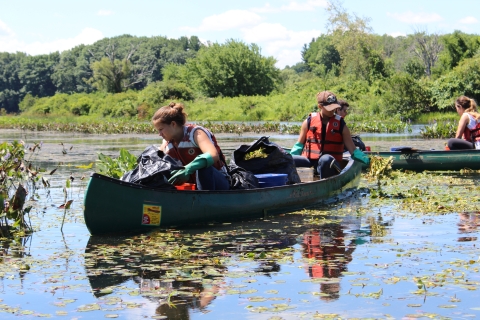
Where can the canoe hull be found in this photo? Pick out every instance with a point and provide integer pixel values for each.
(433, 160)
(112, 205)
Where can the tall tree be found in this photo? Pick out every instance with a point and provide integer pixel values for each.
(427, 48)
(233, 69)
(354, 42)
(458, 46)
(321, 51)
(115, 75)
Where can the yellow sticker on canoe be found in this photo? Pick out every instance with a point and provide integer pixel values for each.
(151, 215)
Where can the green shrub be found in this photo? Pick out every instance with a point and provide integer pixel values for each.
(462, 80)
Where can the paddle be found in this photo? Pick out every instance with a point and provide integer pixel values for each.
(407, 149)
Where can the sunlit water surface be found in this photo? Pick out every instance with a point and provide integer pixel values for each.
(360, 262)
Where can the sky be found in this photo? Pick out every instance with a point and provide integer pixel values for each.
(279, 27)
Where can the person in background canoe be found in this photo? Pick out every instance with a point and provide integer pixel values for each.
(343, 110)
(322, 138)
(468, 126)
(195, 146)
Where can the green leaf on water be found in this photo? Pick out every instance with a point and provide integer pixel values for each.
(447, 306)
(25, 312)
(106, 291)
(257, 299)
(88, 307)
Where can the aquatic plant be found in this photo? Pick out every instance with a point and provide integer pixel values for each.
(116, 167)
(91, 125)
(17, 178)
(380, 168)
(439, 131)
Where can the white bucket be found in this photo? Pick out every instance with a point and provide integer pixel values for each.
(305, 174)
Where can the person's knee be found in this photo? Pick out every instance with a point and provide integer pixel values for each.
(324, 168)
(450, 144)
(301, 161)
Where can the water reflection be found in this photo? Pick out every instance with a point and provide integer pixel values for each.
(193, 278)
(468, 223)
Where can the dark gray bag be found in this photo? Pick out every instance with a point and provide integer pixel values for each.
(153, 169)
(277, 160)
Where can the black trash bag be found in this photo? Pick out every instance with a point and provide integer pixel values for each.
(277, 160)
(358, 142)
(240, 178)
(153, 169)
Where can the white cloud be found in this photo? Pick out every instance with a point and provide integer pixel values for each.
(416, 18)
(105, 13)
(265, 32)
(468, 20)
(5, 31)
(266, 8)
(310, 5)
(288, 57)
(232, 19)
(277, 41)
(87, 36)
(397, 34)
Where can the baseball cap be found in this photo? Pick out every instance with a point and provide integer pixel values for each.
(327, 100)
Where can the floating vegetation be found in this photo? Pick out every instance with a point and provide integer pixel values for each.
(439, 131)
(429, 192)
(380, 127)
(131, 126)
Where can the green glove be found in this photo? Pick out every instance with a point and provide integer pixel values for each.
(181, 176)
(361, 157)
(297, 149)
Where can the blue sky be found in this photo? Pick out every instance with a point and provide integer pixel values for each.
(279, 27)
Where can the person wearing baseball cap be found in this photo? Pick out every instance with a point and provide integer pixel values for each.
(323, 136)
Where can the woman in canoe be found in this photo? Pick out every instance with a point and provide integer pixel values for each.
(195, 146)
(468, 126)
(322, 138)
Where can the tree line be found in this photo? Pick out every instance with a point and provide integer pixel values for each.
(111, 64)
(380, 74)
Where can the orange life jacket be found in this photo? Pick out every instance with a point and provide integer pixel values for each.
(187, 150)
(332, 144)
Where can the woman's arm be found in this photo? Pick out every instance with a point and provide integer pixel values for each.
(302, 137)
(462, 124)
(205, 144)
(163, 145)
(347, 140)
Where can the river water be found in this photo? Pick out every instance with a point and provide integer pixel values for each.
(353, 259)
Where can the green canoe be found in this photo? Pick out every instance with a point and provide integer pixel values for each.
(420, 160)
(114, 206)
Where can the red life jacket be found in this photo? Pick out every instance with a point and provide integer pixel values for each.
(472, 135)
(187, 149)
(332, 143)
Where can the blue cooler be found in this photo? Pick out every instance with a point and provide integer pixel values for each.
(266, 180)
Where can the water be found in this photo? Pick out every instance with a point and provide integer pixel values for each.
(353, 259)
